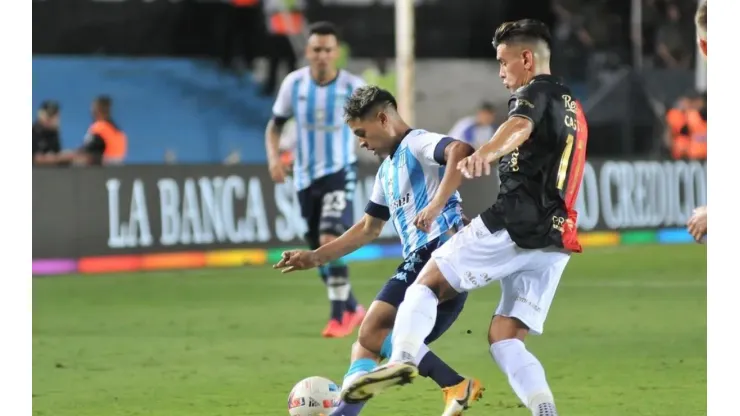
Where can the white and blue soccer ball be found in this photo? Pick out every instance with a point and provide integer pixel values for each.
(313, 396)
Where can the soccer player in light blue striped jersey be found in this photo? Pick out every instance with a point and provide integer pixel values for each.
(417, 192)
(324, 168)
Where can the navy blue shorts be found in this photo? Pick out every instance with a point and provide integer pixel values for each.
(327, 204)
(394, 289)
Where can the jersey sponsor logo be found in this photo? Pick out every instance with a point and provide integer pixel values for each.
(400, 201)
(521, 102)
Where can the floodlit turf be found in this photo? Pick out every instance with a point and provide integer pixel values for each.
(626, 336)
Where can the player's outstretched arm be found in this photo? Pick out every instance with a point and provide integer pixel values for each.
(454, 152)
(365, 231)
(510, 135)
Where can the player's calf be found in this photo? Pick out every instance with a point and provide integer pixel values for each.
(524, 371)
(417, 314)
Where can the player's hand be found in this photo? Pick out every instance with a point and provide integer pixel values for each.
(697, 224)
(293, 260)
(474, 166)
(277, 172)
(426, 217)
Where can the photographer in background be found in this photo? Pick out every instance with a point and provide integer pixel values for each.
(46, 142)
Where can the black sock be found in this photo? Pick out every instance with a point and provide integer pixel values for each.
(346, 409)
(351, 304)
(337, 306)
(433, 367)
(337, 309)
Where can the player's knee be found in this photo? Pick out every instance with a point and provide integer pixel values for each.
(372, 335)
(432, 278)
(325, 239)
(504, 327)
(360, 352)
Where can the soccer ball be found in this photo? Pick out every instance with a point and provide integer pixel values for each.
(313, 396)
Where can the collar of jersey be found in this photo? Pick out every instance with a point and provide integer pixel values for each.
(543, 77)
(333, 80)
(395, 148)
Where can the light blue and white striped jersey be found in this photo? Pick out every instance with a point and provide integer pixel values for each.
(325, 144)
(406, 183)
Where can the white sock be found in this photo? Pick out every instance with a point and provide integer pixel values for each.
(414, 321)
(351, 378)
(338, 288)
(420, 355)
(525, 373)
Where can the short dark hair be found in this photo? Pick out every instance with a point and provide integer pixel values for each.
(104, 103)
(365, 99)
(525, 30)
(487, 106)
(50, 107)
(322, 29)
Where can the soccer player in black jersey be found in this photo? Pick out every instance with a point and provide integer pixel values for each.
(525, 240)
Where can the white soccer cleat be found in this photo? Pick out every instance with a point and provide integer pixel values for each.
(365, 387)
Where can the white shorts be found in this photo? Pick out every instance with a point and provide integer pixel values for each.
(475, 257)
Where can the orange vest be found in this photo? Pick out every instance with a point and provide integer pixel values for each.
(677, 120)
(287, 23)
(116, 142)
(698, 134)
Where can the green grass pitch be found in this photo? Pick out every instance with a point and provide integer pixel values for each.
(626, 336)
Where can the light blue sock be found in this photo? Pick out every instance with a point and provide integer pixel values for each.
(358, 368)
(387, 348)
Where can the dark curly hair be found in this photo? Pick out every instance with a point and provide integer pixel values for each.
(366, 99)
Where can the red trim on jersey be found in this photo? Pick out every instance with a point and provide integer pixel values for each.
(575, 176)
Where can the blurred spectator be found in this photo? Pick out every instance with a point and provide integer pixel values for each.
(285, 19)
(46, 141)
(105, 143)
(686, 132)
(478, 129)
(675, 40)
(243, 30)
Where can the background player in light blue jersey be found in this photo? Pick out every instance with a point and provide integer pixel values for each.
(414, 189)
(324, 169)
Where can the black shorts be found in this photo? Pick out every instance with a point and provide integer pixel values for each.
(394, 290)
(327, 204)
